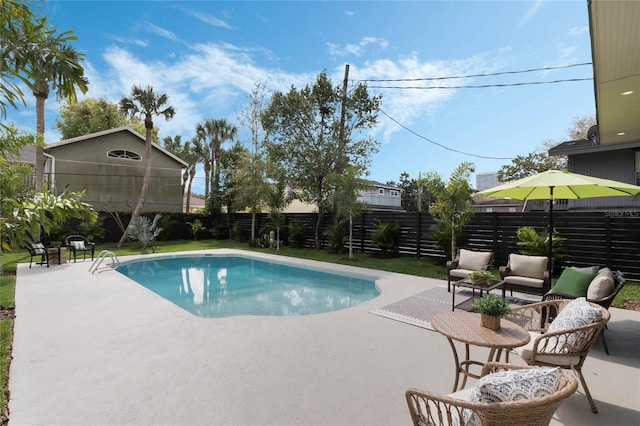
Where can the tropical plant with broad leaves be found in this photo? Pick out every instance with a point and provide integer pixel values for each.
(145, 230)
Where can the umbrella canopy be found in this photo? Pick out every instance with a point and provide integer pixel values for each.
(556, 184)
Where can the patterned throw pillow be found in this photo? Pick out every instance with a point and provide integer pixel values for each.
(78, 245)
(38, 248)
(576, 313)
(513, 385)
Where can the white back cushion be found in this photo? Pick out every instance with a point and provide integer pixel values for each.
(528, 266)
(473, 260)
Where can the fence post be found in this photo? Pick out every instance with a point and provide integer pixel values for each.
(419, 235)
(362, 232)
(607, 233)
(494, 224)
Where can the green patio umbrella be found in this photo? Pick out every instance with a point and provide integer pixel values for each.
(556, 184)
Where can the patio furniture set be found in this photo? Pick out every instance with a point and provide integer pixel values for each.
(74, 244)
(551, 336)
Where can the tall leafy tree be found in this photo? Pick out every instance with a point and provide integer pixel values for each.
(215, 132)
(93, 115)
(452, 208)
(304, 128)
(146, 103)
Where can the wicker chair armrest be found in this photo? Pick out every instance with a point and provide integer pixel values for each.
(557, 296)
(557, 342)
(429, 408)
(453, 264)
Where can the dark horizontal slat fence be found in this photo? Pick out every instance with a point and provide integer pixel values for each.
(592, 238)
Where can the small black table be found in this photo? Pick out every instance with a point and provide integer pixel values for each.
(467, 305)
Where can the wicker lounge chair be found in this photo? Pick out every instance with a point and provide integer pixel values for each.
(428, 408)
(567, 348)
(605, 301)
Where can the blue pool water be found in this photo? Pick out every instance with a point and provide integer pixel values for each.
(220, 286)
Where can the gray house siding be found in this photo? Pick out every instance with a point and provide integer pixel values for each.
(617, 165)
(115, 183)
(382, 197)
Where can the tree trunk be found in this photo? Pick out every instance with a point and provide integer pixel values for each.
(192, 175)
(41, 92)
(185, 179)
(145, 180)
(350, 237)
(317, 233)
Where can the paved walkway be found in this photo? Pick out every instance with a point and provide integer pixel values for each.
(102, 350)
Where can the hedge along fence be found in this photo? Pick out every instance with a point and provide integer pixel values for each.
(592, 238)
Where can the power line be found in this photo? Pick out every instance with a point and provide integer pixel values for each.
(480, 86)
(480, 75)
(441, 145)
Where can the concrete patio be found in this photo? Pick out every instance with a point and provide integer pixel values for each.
(101, 350)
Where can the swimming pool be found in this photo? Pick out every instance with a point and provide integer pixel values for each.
(213, 286)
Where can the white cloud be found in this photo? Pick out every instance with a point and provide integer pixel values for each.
(210, 20)
(356, 49)
(159, 31)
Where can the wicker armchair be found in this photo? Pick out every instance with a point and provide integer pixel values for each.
(551, 348)
(428, 408)
(605, 302)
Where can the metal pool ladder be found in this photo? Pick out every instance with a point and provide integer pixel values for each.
(104, 254)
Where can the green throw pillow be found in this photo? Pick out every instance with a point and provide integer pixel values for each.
(573, 283)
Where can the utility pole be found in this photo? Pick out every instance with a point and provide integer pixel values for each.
(340, 159)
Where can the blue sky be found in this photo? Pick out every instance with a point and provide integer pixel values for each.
(207, 56)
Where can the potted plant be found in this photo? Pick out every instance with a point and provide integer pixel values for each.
(491, 308)
(480, 277)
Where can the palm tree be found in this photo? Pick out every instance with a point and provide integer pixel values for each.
(215, 133)
(202, 152)
(50, 64)
(146, 103)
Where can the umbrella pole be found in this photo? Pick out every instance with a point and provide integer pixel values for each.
(550, 262)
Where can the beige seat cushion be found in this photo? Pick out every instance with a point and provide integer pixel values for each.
(528, 266)
(524, 281)
(526, 352)
(460, 273)
(473, 260)
(601, 286)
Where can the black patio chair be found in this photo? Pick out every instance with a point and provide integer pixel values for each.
(38, 250)
(79, 243)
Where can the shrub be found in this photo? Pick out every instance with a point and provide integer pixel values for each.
(144, 230)
(385, 237)
(533, 243)
(336, 236)
(298, 233)
(197, 228)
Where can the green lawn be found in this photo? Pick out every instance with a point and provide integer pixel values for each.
(405, 265)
